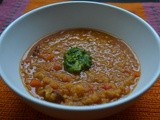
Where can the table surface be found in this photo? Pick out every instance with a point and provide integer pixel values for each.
(12, 107)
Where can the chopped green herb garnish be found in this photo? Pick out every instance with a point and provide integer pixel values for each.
(77, 60)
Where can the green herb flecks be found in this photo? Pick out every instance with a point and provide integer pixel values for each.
(77, 60)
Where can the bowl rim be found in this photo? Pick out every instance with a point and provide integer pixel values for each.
(79, 108)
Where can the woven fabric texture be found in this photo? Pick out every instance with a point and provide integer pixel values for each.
(12, 107)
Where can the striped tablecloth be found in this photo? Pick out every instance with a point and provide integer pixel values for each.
(12, 107)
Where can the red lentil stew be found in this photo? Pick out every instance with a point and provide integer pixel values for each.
(112, 73)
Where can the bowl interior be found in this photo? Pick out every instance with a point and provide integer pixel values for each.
(26, 30)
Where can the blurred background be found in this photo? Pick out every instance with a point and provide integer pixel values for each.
(122, 0)
(115, 0)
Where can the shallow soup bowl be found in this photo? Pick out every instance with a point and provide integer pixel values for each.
(29, 28)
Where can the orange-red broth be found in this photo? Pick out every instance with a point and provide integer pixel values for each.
(114, 73)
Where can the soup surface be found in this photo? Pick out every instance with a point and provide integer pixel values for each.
(113, 74)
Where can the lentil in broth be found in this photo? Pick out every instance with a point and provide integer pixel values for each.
(114, 72)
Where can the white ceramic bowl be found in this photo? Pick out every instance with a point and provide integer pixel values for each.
(29, 28)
